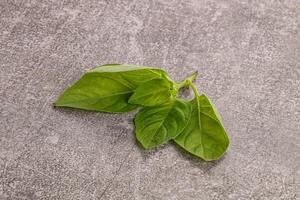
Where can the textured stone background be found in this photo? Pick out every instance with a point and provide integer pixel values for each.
(247, 54)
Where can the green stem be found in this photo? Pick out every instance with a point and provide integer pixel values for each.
(195, 90)
(180, 84)
(186, 82)
(192, 77)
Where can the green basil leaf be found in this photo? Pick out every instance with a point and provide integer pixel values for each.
(152, 93)
(107, 88)
(157, 125)
(205, 135)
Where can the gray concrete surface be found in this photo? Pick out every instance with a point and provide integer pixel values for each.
(247, 55)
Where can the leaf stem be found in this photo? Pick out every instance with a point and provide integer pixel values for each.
(192, 77)
(195, 90)
(187, 81)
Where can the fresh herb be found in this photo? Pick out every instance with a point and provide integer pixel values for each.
(194, 125)
(152, 93)
(107, 88)
(157, 125)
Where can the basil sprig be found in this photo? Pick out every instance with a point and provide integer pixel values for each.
(194, 125)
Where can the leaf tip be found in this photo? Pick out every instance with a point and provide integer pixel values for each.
(56, 104)
(131, 99)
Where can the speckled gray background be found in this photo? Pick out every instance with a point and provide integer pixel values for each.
(247, 55)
